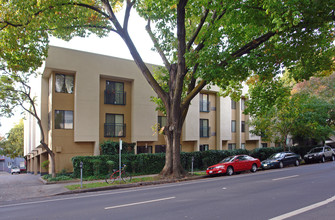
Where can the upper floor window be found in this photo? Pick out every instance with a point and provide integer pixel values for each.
(204, 128)
(233, 126)
(242, 104)
(64, 83)
(114, 93)
(204, 102)
(233, 104)
(63, 119)
(242, 126)
(114, 126)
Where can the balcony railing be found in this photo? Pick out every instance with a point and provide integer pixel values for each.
(115, 130)
(115, 97)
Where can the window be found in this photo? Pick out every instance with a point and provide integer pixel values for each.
(114, 126)
(233, 126)
(231, 146)
(160, 149)
(264, 145)
(114, 93)
(161, 121)
(204, 103)
(144, 149)
(242, 146)
(64, 83)
(242, 126)
(63, 119)
(204, 147)
(242, 104)
(204, 128)
(233, 104)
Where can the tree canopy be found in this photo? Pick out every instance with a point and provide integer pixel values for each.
(201, 43)
(307, 113)
(12, 145)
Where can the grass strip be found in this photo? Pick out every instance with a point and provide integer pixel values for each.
(117, 182)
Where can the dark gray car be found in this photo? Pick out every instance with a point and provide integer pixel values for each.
(320, 154)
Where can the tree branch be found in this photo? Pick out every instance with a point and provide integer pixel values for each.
(196, 33)
(156, 45)
(127, 14)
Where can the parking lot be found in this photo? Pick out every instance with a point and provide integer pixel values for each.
(24, 186)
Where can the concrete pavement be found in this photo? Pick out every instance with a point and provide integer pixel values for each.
(25, 186)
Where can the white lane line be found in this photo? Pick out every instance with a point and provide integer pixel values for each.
(139, 203)
(305, 209)
(287, 177)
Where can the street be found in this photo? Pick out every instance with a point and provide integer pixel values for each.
(304, 192)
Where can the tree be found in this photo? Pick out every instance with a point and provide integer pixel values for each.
(201, 43)
(273, 111)
(307, 113)
(15, 92)
(12, 146)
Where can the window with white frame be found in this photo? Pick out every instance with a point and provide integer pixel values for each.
(64, 83)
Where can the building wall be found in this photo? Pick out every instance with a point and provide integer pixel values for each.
(91, 72)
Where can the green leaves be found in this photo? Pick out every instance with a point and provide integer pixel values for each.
(12, 146)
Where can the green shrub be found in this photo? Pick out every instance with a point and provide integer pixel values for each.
(153, 163)
(112, 148)
(45, 164)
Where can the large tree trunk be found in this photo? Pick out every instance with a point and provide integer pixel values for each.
(173, 167)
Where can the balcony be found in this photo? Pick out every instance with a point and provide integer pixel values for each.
(114, 130)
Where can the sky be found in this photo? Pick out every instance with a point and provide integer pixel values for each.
(111, 45)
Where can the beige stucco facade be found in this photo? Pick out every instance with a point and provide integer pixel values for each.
(92, 119)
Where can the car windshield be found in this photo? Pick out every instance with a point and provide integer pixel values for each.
(316, 150)
(276, 156)
(228, 159)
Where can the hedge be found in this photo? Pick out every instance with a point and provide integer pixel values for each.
(154, 163)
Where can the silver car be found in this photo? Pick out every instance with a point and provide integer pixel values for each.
(320, 154)
(15, 169)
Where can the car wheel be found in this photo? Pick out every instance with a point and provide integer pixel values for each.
(297, 163)
(253, 168)
(332, 158)
(229, 171)
(323, 159)
(281, 165)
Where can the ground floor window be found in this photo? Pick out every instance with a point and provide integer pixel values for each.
(144, 149)
(160, 149)
(231, 146)
(264, 145)
(204, 147)
(242, 146)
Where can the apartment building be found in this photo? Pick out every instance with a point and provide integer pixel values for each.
(88, 98)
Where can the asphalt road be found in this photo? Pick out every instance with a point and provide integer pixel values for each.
(304, 192)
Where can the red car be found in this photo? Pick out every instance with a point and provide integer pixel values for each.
(233, 164)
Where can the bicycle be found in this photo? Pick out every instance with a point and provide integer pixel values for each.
(126, 177)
